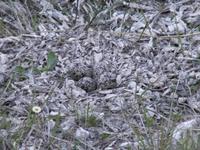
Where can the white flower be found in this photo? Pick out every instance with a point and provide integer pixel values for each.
(36, 109)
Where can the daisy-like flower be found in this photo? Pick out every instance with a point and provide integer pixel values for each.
(36, 109)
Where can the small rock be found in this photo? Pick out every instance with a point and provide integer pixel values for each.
(3, 133)
(54, 113)
(51, 124)
(182, 131)
(2, 79)
(108, 96)
(132, 85)
(140, 92)
(126, 72)
(68, 124)
(98, 57)
(182, 99)
(125, 145)
(109, 148)
(117, 104)
(105, 91)
(119, 79)
(157, 82)
(3, 62)
(150, 111)
(82, 134)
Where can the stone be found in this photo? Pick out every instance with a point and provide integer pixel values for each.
(82, 134)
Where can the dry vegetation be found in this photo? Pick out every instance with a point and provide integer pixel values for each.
(99, 75)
